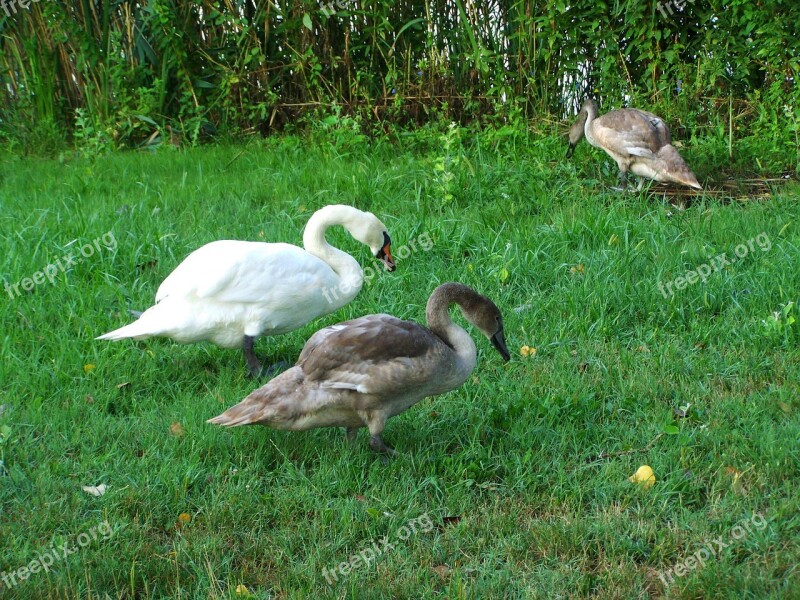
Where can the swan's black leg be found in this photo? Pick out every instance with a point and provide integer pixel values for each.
(253, 366)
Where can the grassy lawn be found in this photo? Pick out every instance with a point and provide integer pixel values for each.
(515, 485)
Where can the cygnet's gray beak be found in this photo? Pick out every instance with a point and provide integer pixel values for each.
(499, 342)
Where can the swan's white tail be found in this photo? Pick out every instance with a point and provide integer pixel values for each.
(138, 330)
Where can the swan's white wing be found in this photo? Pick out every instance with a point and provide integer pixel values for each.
(245, 272)
(376, 354)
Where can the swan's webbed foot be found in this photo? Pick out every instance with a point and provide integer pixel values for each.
(273, 370)
(254, 368)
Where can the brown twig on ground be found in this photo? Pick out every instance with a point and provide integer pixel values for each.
(605, 455)
(742, 189)
(230, 162)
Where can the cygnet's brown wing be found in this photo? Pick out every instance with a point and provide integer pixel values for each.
(630, 131)
(375, 354)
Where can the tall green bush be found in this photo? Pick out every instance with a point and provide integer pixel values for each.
(116, 68)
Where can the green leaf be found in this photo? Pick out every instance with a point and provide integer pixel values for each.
(413, 23)
(671, 429)
(307, 22)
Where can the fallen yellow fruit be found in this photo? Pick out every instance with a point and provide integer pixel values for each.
(644, 475)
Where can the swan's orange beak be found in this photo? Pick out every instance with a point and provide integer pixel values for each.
(385, 256)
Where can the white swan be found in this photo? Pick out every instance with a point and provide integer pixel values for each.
(362, 372)
(230, 292)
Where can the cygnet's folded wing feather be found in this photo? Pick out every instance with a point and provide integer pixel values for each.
(631, 132)
(375, 354)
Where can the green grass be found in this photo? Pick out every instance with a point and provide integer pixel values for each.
(506, 467)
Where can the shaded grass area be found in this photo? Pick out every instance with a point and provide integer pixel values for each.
(506, 467)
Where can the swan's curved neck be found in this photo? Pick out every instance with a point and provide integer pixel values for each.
(345, 266)
(438, 315)
(589, 115)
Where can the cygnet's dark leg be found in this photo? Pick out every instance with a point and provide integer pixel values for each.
(351, 433)
(378, 445)
(375, 423)
(623, 180)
